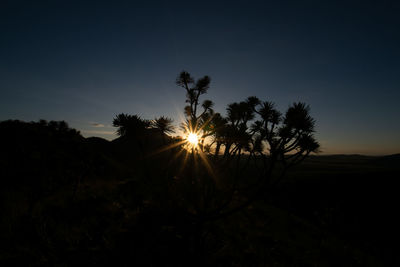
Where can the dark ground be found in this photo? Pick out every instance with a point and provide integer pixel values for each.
(71, 201)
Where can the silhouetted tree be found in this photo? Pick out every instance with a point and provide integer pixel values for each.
(195, 122)
(252, 128)
(280, 142)
(217, 128)
(164, 125)
(239, 115)
(130, 125)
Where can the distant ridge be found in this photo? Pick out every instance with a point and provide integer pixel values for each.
(346, 155)
(389, 160)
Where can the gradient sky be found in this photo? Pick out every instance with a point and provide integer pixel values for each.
(86, 62)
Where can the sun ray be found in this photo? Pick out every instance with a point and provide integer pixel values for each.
(167, 148)
(206, 162)
(184, 160)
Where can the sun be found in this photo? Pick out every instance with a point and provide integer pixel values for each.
(193, 139)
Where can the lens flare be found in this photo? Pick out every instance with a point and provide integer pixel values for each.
(193, 139)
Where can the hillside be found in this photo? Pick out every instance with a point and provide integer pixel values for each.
(69, 200)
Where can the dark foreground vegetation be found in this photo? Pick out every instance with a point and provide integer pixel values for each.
(71, 201)
(230, 192)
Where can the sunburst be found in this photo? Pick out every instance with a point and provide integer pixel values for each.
(193, 139)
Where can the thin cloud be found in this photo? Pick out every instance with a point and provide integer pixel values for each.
(97, 125)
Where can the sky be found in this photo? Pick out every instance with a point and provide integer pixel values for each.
(87, 61)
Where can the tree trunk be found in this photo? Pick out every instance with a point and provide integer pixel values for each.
(217, 148)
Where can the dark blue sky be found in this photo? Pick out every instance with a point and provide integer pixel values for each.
(86, 62)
